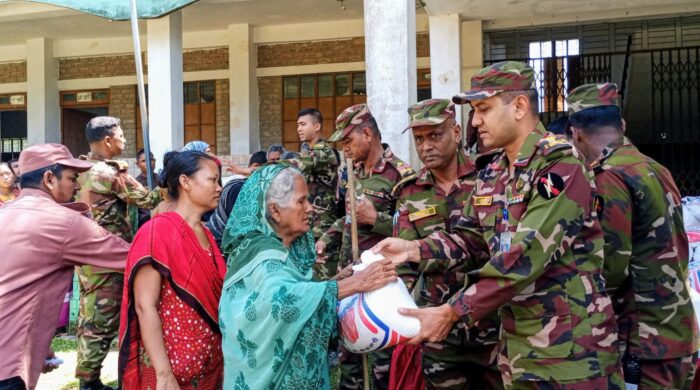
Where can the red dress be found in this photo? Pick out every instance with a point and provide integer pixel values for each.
(194, 350)
(192, 279)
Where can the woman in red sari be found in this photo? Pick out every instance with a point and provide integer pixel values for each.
(169, 334)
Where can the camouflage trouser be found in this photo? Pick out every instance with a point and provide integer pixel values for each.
(450, 364)
(351, 376)
(328, 269)
(610, 382)
(668, 373)
(98, 321)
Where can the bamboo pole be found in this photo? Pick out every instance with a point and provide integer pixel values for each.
(355, 245)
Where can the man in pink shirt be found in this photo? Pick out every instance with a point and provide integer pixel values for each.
(43, 238)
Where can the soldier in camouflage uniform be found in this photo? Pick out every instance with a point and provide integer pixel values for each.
(319, 164)
(646, 247)
(107, 187)
(379, 176)
(432, 202)
(532, 213)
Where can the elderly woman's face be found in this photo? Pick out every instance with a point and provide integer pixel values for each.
(293, 219)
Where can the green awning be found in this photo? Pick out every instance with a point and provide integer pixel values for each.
(120, 9)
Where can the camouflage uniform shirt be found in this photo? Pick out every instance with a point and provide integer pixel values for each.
(381, 186)
(320, 169)
(646, 253)
(108, 188)
(557, 323)
(424, 208)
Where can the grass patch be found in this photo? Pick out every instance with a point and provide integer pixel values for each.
(75, 385)
(64, 344)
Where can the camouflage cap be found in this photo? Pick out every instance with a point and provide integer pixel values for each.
(497, 78)
(592, 95)
(430, 112)
(349, 119)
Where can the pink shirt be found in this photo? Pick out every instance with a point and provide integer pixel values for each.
(41, 241)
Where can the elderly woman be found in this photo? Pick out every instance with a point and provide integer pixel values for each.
(276, 323)
(8, 191)
(169, 334)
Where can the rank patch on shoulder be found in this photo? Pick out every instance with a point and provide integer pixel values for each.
(483, 200)
(550, 185)
(421, 214)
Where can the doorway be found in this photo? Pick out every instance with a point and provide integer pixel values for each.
(73, 127)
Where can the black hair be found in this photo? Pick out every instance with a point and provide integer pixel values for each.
(100, 127)
(259, 157)
(558, 126)
(592, 119)
(140, 153)
(314, 113)
(9, 164)
(180, 163)
(531, 95)
(33, 179)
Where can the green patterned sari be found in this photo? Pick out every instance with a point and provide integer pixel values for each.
(275, 321)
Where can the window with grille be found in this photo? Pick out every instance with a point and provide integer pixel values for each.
(550, 61)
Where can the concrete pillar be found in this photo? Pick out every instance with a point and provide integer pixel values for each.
(243, 93)
(165, 95)
(445, 56)
(472, 54)
(390, 57)
(43, 106)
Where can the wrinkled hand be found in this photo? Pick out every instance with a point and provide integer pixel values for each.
(376, 275)
(343, 273)
(321, 252)
(49, 367)
(398, 250)
(365, 211)
(167, 382)
(435, 322)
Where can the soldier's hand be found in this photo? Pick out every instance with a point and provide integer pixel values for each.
(365, 211)
(435, 322)
(320, 252)
(397, 250)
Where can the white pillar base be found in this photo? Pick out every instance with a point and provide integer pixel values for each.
(43, 106)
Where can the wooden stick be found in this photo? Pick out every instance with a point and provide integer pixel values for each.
(355, 245)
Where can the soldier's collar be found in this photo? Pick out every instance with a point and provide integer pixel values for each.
(609, 150)
(465, 167)
(530, 145)
(380, 165)
(96, 156)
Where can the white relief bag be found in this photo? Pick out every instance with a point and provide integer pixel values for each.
(371, 321)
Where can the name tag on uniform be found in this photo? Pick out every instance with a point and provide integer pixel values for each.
(422, 214)
(483, 200)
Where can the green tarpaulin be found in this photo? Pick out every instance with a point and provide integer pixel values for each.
(120, 9)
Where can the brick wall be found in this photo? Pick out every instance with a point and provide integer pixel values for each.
(270, 110)
(324, 52)
(93, 67)
(123, 65)
(211, 59)
(223, 128)
(13, 72)
(122, 104)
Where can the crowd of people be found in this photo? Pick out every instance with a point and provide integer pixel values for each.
(537, 260)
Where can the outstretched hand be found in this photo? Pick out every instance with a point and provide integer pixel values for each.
(435, 322)
(397, 250)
